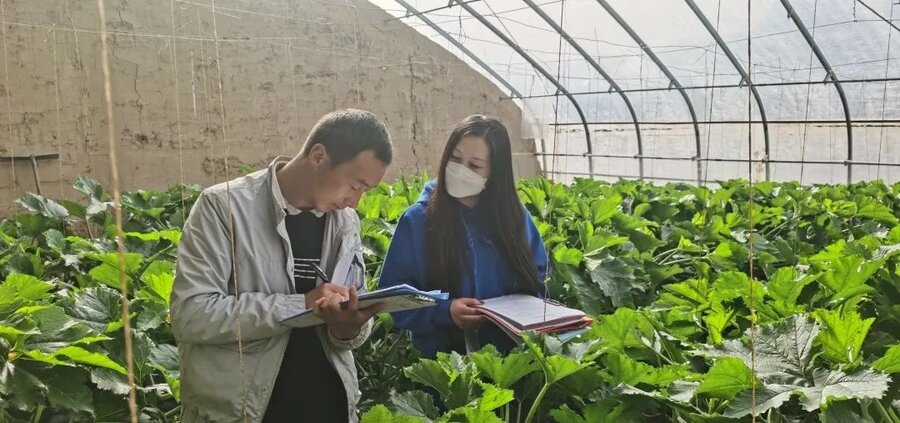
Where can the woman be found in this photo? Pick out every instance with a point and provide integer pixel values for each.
(468, 235)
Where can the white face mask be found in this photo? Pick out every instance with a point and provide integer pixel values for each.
(462, 182)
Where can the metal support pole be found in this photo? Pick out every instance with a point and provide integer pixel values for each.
(745, 77)
(674, 81)
(512, 44)
(792, 14)
(612, 83)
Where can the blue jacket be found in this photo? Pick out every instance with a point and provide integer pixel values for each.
(432, 328)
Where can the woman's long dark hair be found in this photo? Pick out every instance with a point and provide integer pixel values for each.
(445, 234)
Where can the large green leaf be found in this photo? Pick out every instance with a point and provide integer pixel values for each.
(555, 367)
(732, 285)
(415, 404)
(683, 391)
(171, 235)
(890, 363)
(591, 298)
(80, 355)
(504, 371)
(615, 279)
(449, 374)
(603, 411)
(165, 356)
(625, 370)
(842, 334)
(848, 275)
(765, 398)
(493, 397)
(55, 240)
(43, 206)
(24, 388)
(637, 231)
(605, 209)
(431, 374)
(841, 411)
(566, 255)
(108, 275)
(110, 380)
(717, 319)
(622, 330)
(91, 188)
(157, 288)
(108, 271)
(97, 307)
(370, 206)
(174, 383)
(837, 384)
(381, 414)
(726, 378)
(18, 288)
(12, 332)
(785, 285)
(394, 208)
(782, 349)
(42, 357)
(67, 389)
(58, 330)
(691, 293)
(869, 207)
(470, 414)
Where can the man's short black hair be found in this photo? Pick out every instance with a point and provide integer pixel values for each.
(346, 133)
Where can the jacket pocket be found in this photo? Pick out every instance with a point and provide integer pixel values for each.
(211, 379)
(350, 268)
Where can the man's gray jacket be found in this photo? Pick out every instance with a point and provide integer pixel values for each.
(219, 304)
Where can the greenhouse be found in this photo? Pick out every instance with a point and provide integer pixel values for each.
(450, 211)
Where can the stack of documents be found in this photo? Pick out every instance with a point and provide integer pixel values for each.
(519, 313)
(396, 298)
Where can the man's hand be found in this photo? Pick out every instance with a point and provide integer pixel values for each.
(464, 315)
(325, 290)
(345, 323)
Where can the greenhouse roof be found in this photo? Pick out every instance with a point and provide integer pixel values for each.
(589, 63)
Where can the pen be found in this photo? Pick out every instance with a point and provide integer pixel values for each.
(320, 273)
(324, 277)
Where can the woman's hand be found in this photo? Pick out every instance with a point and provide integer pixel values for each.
(464, 315)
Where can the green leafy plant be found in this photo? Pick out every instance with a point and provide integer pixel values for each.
(664, 270)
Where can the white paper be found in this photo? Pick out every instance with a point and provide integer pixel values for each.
(527, 312)
(394, 303)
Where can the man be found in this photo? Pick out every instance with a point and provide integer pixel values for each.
(246, 262)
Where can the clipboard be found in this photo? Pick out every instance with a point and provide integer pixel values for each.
(396, 298)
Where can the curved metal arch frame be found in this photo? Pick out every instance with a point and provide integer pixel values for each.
(514, 93)
(512, 44)
(612, 83)
(745, 77)
(792, 14)
(662, 66)
(421, 16)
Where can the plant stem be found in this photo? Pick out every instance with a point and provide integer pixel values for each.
(713, 403)
(894, 417)
(882, 411)
(537, 402)
(137, 276)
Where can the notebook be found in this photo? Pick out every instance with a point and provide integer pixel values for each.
(518, 313)
(396, 298)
